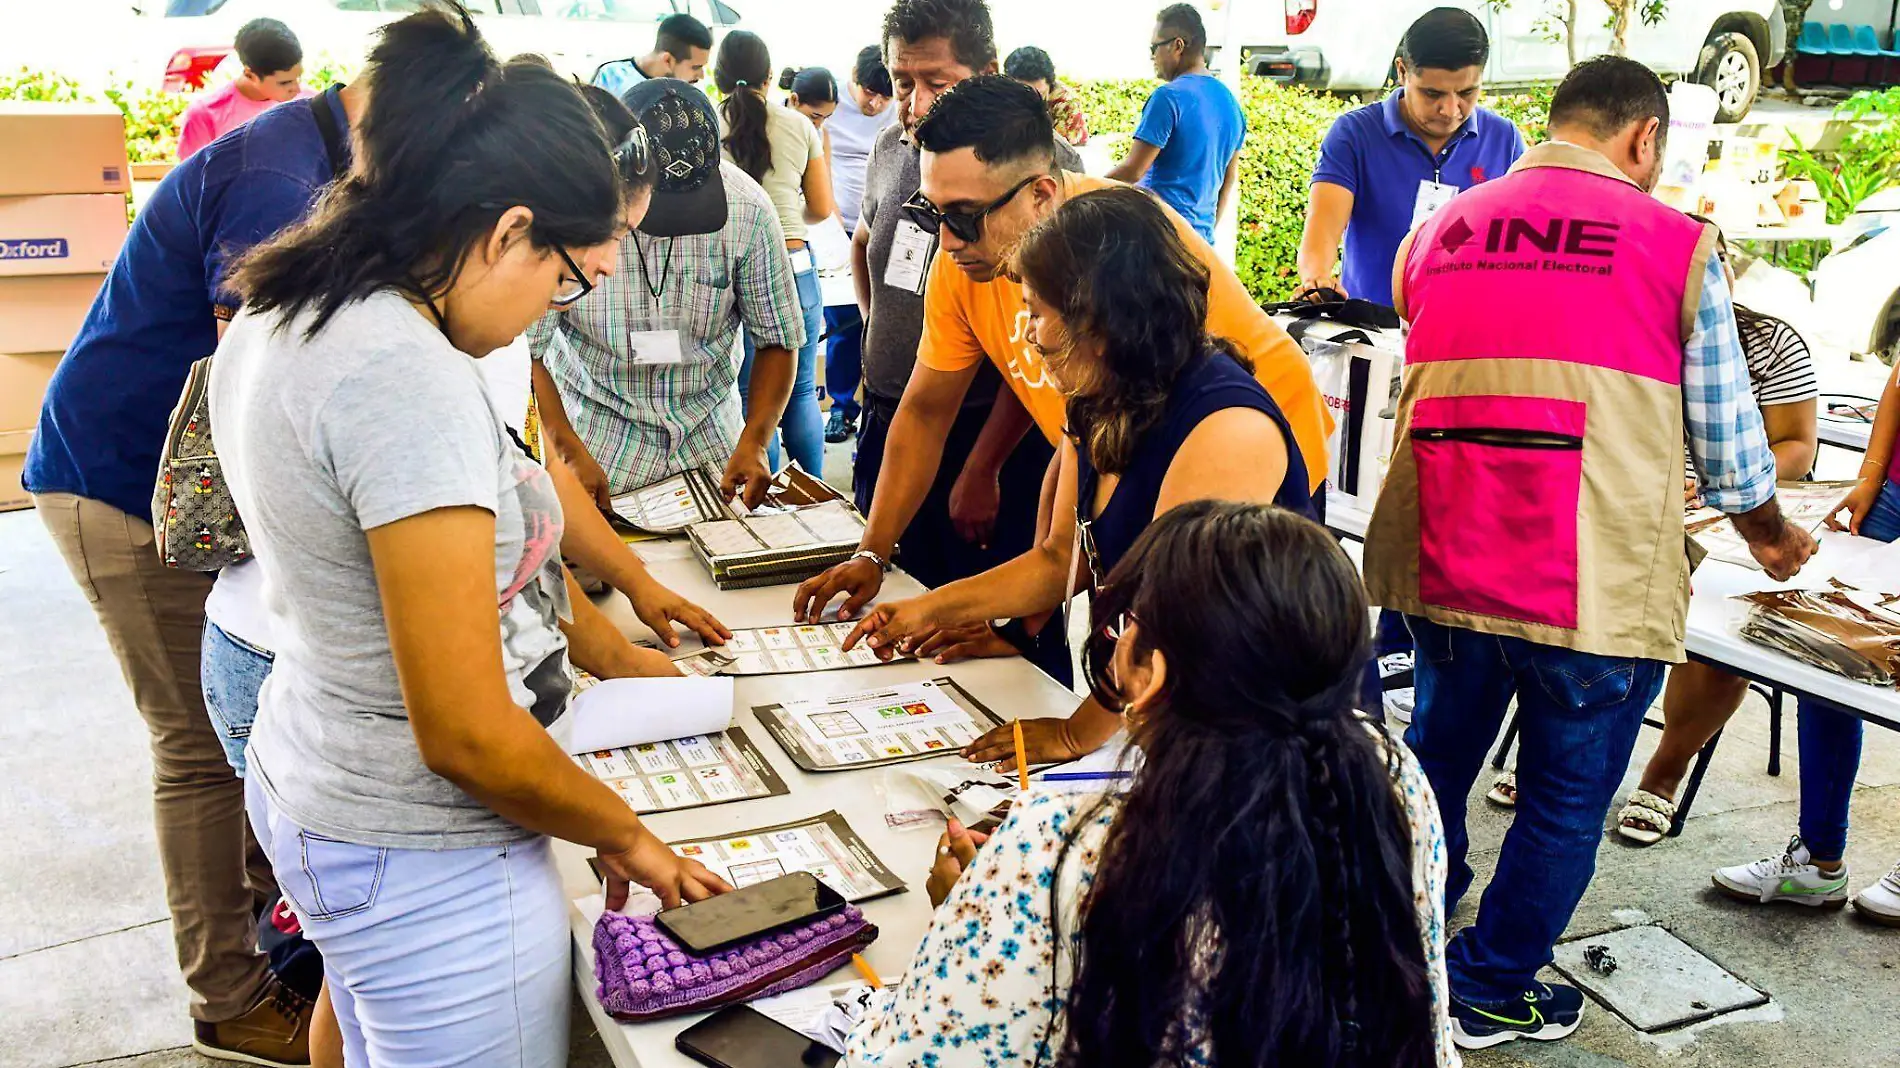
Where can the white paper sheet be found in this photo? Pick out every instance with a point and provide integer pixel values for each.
(620, 712)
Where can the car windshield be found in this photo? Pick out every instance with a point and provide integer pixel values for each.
(610, 10)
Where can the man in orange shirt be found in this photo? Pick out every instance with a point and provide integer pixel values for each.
(973, 309)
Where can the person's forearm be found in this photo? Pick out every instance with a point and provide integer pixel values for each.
(1126, 171)
(1793, 459)
(1880, 441)
(913, 449)
(1319, 253)
(1762, 524)
(861, 271)
(1046, 504)
(1227, 184)
(1002, 431)
(1024, 586)
(519, 772)
(589, 538)
(594, 644)
(771, 389)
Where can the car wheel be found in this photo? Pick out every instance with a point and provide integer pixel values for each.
(1730, 66)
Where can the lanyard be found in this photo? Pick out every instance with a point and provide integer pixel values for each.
(666, 267)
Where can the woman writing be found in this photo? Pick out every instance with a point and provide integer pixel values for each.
(1267, 892)
(1159, 414)
(402, 782)
(783, 151)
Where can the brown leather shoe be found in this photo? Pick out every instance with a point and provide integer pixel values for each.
(275, 1032)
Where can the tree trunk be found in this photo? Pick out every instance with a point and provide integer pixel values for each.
(1570, 32)
(1619, 26)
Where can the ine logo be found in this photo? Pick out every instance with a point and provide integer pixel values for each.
(1456, 235)
(34, 248)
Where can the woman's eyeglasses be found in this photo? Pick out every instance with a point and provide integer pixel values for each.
(966, 225)
(633, 157)
(574, 282)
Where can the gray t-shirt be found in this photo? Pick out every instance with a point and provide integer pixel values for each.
(376, 419)
(896, 326)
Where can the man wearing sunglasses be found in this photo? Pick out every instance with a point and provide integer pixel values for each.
(981, 509)
(989, 173)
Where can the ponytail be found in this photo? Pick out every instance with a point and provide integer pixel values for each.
(811, 85)
(448, 142)
(742, 71)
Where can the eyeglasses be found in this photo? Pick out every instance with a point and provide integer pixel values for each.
(966, 225)
(1156, 46)
(633, 157)
(574, 282)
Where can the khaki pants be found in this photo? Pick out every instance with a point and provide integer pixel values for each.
(216, 877)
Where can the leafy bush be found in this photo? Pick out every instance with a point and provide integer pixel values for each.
(151, 116)
(1867, 161)
(1285, 126)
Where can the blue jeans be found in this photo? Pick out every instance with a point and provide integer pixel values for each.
(1578, 715)
(433, 957)
(231, 672)
(1830, 736)
(844, 357)
(803, 424)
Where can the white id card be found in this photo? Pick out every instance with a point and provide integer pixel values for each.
(654, 348)
(1431, 196)
(911, 250)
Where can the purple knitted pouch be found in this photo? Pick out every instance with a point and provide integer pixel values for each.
(645, 975)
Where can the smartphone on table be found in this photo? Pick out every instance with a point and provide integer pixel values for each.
(740, 1036)
(713, 924)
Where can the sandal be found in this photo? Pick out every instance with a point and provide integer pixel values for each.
(1646, 819)
(1503, 793)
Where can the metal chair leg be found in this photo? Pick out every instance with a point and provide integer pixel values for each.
(1774, 733)
(1700, 769)
(1504, 747)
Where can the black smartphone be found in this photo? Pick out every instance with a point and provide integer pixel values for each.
(717, 922)
(740, 1036)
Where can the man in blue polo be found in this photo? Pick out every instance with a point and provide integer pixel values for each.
(1384, 168)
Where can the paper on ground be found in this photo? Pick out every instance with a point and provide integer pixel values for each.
(618, 712)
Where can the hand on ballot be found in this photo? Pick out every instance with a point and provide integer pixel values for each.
(660, 608)
(896, 626)
(972, 641)
(1858, 502)
(956, 851)
(650, 863)
(1045, 741)
(1782, 558)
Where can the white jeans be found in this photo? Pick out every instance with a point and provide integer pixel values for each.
(433, 957)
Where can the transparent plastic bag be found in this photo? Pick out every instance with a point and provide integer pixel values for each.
(1849, 632)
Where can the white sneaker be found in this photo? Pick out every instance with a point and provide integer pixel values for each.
(1398, 703)
(1880, 902)
(1792, 877)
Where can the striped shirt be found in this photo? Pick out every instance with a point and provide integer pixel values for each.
(642, 422)
(1780, 368)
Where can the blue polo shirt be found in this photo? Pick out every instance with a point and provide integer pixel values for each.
(1198, 126)
(103, 423)
(1372, 153)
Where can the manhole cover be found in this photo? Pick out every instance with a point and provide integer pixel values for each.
(1658, 982)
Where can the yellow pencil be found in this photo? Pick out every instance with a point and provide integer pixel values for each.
(864, 968)
(1022, 762)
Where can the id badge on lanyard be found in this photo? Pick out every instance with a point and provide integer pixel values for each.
(911, 252)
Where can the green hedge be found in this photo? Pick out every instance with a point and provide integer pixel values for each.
(1285, 125)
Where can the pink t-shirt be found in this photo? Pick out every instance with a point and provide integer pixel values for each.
(215, 114)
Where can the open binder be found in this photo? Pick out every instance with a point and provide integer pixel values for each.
(804, 526)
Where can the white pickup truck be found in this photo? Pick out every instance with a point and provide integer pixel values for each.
(1349, 45)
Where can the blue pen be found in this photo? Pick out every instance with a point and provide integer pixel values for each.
(1083, 776)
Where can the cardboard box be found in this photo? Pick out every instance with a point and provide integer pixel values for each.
(13, 445)
(62, 148)
(73, 234)
(42, 313)
(23, 380)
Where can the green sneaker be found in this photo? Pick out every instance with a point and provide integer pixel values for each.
(1792, 877)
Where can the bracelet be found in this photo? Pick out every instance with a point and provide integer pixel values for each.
(866, 554)
(1016, 633)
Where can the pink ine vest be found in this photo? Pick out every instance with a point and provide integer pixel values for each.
(1535, 489)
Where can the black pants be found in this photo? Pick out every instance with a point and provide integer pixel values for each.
(930, 548)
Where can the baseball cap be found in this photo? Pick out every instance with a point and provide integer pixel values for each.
(690, 195)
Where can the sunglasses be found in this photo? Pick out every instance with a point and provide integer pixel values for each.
(574, 283)
(1156, 46)
(633, 158)
(966, 225)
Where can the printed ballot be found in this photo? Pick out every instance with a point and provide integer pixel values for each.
(824, 845)
(686, 772)
(781, 651)
(884, 726)
(1804, 504)
(612, 713)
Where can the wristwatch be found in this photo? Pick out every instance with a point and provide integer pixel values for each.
(866, 554)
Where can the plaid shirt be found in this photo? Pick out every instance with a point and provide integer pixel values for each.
(1727, 442)
(644, 422)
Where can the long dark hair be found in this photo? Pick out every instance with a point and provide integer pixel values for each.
(811, 85)
(1255, 889)
(1116, 269)
(742, 72)
(449, 141)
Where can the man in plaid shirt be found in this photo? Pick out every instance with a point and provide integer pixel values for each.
(639, 379)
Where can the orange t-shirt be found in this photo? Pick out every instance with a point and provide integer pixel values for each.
(966, 321)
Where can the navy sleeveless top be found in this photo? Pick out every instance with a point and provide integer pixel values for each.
(1213, 383)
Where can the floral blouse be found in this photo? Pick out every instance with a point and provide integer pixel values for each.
(979, 991)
